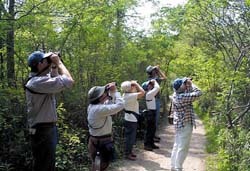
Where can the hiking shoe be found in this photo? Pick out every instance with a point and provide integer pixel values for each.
(148, 148)
(179, 170)
(130, 157)
(133, 155)
(156, 140)
(155, 146)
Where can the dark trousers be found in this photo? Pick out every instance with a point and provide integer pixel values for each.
(43, 144)
(130, 136)
(150, 128)
(93, 144)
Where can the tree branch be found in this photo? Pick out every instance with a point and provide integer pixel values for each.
(242, 114)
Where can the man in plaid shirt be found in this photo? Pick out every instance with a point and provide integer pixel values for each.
(185, 93)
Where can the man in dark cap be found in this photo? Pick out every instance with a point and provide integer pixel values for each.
(185, 93)
(151, 88)
(48, 76)
(155, 73)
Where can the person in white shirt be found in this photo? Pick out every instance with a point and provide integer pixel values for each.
(132, 92)
(105, 101)
(152, 88)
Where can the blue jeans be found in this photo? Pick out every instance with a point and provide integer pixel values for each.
(130, 136)
(43, 144)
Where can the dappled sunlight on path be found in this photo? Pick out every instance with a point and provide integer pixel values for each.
(159, 159)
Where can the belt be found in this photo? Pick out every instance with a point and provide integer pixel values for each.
(102, 136)
(44, 125)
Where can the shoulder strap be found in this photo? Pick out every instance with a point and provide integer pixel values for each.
(97, 127)
(131, 112)
(26, 88)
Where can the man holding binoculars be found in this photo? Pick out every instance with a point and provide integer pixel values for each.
(48, 76)
(185, 93)
(104, 101)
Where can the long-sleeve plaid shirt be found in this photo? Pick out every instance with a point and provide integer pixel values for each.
(183, 107)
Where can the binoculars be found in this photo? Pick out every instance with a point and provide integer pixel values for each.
(57, 53)
(110, 85)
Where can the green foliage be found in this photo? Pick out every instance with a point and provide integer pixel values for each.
(231, 146)
(71, 151)
(13, 133)
(207, 50)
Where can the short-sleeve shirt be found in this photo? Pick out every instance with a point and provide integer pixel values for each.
(131, 104)
(159, 80)
(150, 97)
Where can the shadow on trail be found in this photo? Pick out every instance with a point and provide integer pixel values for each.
(159, 159)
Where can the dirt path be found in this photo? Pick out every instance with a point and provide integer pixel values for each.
(159, 160)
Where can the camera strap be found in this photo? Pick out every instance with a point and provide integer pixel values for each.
(97, 127)
(137, 115)
(39, 73)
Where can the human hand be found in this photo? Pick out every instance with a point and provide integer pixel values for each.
(152, 81)
(55, 59)
(188, 82)
(134, 83)
(111, 87)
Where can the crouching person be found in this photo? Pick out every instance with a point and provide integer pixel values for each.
(105, 101)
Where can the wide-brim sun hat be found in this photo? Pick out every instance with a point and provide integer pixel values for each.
(95, 93)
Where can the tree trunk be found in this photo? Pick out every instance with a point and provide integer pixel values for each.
(117, 45)
(10, 46)
(1, 47)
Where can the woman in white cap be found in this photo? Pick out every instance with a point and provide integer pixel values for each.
(132, 92)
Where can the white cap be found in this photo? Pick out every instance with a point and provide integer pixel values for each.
(126, 86)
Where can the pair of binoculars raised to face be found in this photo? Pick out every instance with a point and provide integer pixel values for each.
(51, 53)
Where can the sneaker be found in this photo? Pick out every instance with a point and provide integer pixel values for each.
(155, 146)
(148, 148)
(156, 140)
(130, 157)
(179, 169)
(133, 155)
